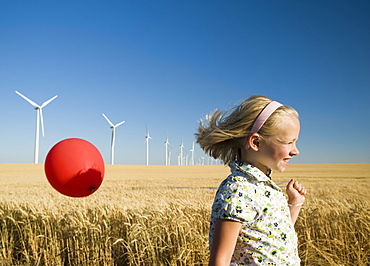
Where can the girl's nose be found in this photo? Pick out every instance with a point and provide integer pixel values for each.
(295, 151)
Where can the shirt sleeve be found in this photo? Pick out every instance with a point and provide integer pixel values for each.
(235, 202)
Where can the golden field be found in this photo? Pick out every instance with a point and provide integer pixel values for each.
(158, 215)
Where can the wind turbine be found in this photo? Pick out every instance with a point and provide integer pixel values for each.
(113, 127)
(192, 154)
(181, 154)
(39, 118)
(147, 138)
(166, 144)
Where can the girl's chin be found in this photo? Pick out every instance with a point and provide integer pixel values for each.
(280, 168)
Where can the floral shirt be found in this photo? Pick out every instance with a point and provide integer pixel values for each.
(267, 235)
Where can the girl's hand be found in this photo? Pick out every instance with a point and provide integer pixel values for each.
(295, 192)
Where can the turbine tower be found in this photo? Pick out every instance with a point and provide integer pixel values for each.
(113, 127)
(147, 138)
(39, 118)
(166, 144)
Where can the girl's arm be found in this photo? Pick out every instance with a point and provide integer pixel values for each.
(296, 192)
(223, 241)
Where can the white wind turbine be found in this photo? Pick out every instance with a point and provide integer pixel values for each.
(39, 118)
(192, 154)
(113, 127)
(166, 144)
(147, 138)
(181, 153)
(202, 160)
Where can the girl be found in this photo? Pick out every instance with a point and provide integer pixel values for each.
(252, 223)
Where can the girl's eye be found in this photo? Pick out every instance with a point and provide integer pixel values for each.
(287, 142)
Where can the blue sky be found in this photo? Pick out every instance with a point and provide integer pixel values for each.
(166, 64)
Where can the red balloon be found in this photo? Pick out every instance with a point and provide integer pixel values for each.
(74, 167)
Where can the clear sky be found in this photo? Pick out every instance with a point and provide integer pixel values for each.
(166, 64)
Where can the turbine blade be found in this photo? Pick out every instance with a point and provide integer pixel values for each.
(42, 122)
(48, 101)
(117, 125)
(106, 118)
(28, 100)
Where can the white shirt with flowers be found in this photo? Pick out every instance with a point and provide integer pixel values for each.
(267, 235)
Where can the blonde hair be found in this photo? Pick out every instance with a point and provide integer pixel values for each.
(223, 134)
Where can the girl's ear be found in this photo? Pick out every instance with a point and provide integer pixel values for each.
(253, 142)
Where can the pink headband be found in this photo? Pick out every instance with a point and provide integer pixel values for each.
(264, 115)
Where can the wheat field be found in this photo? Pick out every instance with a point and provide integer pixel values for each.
(158, 215)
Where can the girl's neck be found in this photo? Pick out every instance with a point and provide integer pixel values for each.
(249, 159)
(267, 171)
